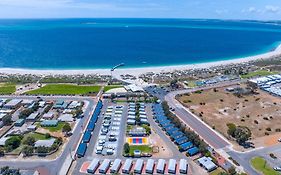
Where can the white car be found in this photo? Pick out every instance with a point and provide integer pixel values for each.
(277, 168)
(279, 140)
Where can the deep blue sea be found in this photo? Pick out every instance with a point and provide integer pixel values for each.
(103, 43)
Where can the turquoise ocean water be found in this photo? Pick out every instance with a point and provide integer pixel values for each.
(103, 43)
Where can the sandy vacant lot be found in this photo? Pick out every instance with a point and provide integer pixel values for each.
(261, 113)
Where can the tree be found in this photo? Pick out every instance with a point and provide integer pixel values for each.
(78, 112)
(232, 171)
(42, 150)
(7, 171)
(27, 150)
(47, 135)
(242, 134)
(126, 148)
(12, 143)
(7, 120)
(25, 113)
(231, 129)
(174, 84)
(66, 128)
(2, 151)
(29, 141)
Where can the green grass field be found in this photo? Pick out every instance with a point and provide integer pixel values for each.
(52, 128)
(218, 171)
(37, 136)
(260, 165)
(7, 88)
(258, 73)
(142, 148)
(64, 89)
(107, 88)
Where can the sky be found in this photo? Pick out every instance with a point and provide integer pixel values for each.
(218, 9)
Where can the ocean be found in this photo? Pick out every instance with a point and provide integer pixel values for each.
(104, 43)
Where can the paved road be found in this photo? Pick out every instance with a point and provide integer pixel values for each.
(53, 166)
(245, 158)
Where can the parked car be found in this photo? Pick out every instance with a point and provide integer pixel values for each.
(277, 168)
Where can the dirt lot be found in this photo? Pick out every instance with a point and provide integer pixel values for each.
(261, 112)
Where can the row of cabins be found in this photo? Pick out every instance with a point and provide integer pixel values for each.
(179, 138)
(267, 83)
(61, 104)
(131, 119)
(88, 133)
(176, 135)
(151, 167)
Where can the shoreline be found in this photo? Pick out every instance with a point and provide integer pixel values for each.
(138, 71)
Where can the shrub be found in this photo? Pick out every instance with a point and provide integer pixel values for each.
(47, 136)
(126, 148)
(12, 143)
(268, 129)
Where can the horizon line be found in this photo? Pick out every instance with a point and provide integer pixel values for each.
(172, 18)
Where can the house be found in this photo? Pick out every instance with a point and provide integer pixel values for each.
(48, 116)
(31, 127)
(60, 104)
(3, 140)
(13, 104)
(19, 122)
(49, 123)
(131, 122)
(42, 104)
(134, 88)
(45, 143)
(74, 104)
(2, 115)
(207, 163)
(27, 102)
(66, 118)
(33, 116)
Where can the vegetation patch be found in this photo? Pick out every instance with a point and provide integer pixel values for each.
(107, 88)
(258, 73)
(142, 148)
(64, 89)
(53, 128)
(260, 165)
(7, 88)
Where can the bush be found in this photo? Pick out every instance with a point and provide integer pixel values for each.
(42, 150)
(268, 129)
(47, 136)
(29, 141)
(27, 150)
(231, 129)
(12, 143)
(126, 148)
(66, 128)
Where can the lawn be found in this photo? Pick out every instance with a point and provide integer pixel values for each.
(7, 88)
(258, 73)
(260, 165)
(107, 88)
(191, 84)
(142, 148)
(53, 128)
(217, 171)
(37, 136)
(64, 89)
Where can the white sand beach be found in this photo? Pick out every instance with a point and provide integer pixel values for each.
(139, 71)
